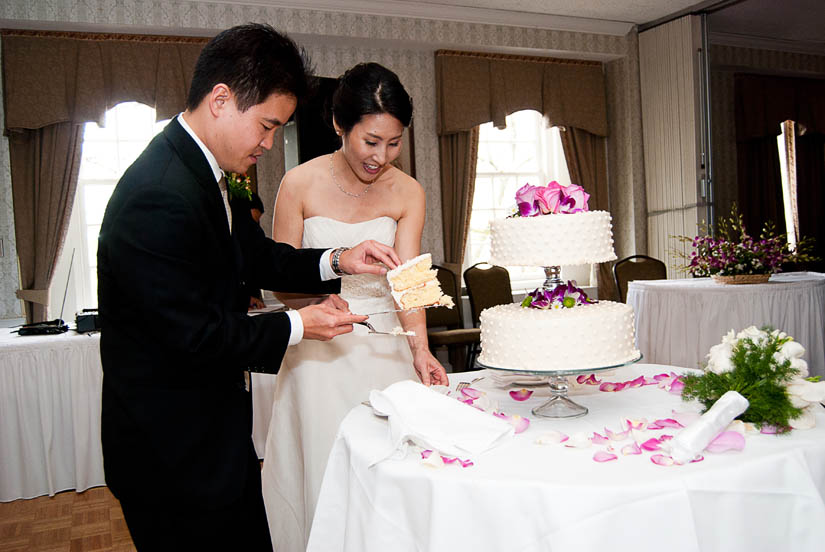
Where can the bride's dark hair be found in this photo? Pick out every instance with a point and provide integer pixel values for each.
(366, 89)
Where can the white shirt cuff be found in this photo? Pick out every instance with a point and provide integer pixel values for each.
(326, 269)
(296, 327)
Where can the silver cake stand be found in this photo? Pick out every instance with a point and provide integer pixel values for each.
(559, 405)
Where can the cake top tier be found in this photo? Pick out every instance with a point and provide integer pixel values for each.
(552, 240)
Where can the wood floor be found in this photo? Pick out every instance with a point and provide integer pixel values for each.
(67, 522)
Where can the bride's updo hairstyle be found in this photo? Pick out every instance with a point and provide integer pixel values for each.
(367, 89)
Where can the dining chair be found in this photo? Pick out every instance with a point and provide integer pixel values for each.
(636, 267)
(487, 286)
(445, 327)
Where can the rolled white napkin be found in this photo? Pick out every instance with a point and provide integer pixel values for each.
(435, 421)
(692, 440)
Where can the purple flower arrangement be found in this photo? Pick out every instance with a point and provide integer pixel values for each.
(554, 198)
(564, 296)
(735, 252)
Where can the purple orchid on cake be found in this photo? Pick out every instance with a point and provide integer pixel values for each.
(564, 296)
(554, 198)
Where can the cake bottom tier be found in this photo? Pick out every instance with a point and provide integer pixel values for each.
(589, 336)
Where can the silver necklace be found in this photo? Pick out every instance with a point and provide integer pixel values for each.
(332, 172)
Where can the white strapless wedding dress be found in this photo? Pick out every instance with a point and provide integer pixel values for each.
(320, 382)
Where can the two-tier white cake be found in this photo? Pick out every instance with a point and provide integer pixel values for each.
(586, 336)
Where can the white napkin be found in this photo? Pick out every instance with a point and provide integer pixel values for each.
(435, 421)
(693, 439)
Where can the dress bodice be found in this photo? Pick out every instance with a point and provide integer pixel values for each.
(324, 232)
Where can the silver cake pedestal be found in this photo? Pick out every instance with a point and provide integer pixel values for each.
(559, 405)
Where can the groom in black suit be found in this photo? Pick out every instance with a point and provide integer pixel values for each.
(177, 419)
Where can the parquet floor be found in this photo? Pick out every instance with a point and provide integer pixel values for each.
(67, 522)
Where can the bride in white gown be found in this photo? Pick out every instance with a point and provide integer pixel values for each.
(338, 200)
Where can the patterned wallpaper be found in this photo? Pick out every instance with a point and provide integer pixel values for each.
(337, 41)
(725, 61)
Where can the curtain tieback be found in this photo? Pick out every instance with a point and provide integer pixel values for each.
(40, 296)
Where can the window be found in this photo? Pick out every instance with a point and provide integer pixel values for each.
(525, 152)
(107, 153)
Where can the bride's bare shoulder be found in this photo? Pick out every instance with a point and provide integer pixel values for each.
(307, 175)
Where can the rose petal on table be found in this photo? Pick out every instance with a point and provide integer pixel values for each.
(697, 459)
(551, 437)
(616, 436)
(599, 439)
(426, 453)
(519, 423)
(653, 425)
(727, 440)
(471, 393)
(651, 444)
(578, 440)
(650, 381)
(521, 394)
(612, 386)
(768, 430)
(676, 387)
(663, 438)
(432, 460)
(660, 377)
(632, 448)
(640, 423)
(662, 460)
(685, 418)
(588, 380)
(602, 456)
(638, 382)
(668, 422)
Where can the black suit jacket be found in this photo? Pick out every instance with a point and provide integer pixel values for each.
(175, 335)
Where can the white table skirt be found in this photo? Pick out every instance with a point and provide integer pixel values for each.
(50, 391)
(525, 497)
(678, 321)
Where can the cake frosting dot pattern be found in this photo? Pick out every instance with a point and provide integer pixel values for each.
(591, 336)
(552, 240)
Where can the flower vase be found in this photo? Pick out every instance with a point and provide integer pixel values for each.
(742, 279)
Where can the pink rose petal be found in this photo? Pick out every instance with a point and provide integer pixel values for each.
(768, 430)
(551, 437)
(653, 425)
(599, 439)
(651, 444)
(631, 449)
(663, 438)
(660, 377)
(727, 440)
(612, 386)
(662, 460)
(471, 393)
(638, 382)
(616, 436)
(676, 387)
(697, 459)
(636, 424)
(588, 380)
(602, 456)
(685, 418)
(668, 422)
(521, 394)
(519, 423)
(426, 453)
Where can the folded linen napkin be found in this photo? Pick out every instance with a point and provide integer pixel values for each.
(434, 421)
(692, 440)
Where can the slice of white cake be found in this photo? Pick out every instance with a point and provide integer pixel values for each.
(414, 284)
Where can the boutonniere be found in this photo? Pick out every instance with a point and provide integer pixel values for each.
(238, 186)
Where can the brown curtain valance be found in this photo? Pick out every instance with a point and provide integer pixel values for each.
(52, 78)
(763, 102)
(476, 88)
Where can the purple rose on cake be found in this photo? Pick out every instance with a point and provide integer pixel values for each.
(551, 199)
(564, 296)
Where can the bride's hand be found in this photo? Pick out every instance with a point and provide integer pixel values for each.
(365, 258)
(429, 370)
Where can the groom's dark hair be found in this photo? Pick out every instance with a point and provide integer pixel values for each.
(254, 61)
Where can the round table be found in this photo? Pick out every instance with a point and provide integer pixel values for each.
(678, 321)
(526, 497)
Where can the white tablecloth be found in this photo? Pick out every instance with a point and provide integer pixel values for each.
(678, 321)
(526, 497)
(50, 413)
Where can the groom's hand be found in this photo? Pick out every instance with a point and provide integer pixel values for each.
(327, 319)
(365, 257)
